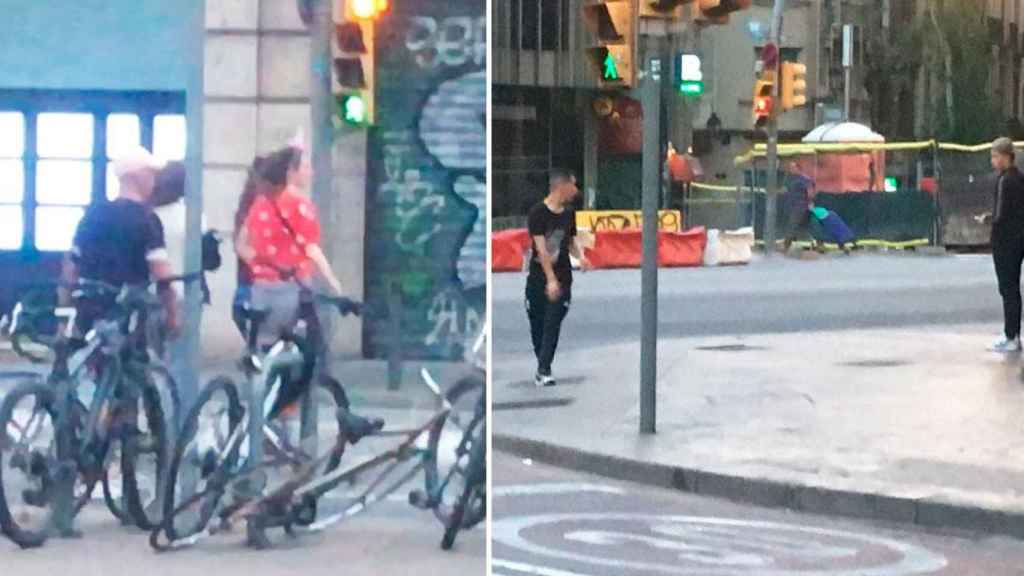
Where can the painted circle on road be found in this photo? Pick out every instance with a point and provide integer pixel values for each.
(697, 545)
(713, 546)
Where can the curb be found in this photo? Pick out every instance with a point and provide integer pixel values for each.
(770, 493)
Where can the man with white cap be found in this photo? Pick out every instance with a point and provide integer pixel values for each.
(122, 242)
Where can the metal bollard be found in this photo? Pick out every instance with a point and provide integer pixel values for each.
(310, 424)
(395, 350)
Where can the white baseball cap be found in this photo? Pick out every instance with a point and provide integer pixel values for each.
(136, 159)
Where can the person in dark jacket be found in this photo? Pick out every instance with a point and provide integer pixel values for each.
(798, 199)
(1007, 218)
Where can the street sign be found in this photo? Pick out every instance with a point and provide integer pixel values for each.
(847, 45)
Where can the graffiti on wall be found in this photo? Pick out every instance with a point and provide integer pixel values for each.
(428, 194)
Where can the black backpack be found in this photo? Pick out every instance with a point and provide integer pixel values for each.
(211, 251)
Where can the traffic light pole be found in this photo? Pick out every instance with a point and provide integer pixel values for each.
(651, 167)
(320, 99)
(773, 140)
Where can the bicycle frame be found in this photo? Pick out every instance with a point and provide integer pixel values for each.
(303, 487)
(286, 503)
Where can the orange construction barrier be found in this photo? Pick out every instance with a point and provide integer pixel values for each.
(624, 248)
(677, 249)
(616, 249)
(508, 248)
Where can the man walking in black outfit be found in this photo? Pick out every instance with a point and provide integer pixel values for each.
(1007, 219)
(552, 227)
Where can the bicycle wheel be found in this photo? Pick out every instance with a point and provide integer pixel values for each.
(204, 459)
(160, 377)
(475, 509)
(471, 507)
(328, 400)
(143, 457)
(113, 482)
(450, 443)
(28, 463)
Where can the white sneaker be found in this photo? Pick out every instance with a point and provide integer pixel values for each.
(1006, 346)
(543, 380)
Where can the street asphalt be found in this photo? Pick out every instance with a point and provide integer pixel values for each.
(766, 296)
(391, 539)
(554, 522)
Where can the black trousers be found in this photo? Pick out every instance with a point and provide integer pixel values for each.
(1008, 253)
(798, 221)
(545, 320)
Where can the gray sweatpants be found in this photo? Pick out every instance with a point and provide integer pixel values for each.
(281, 299)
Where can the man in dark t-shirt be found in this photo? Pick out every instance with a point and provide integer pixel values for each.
(116, 241)
(122, 242)
(552, 228)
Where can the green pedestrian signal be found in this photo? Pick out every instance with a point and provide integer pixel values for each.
(612, 50)
(353, 109)
(611, 72)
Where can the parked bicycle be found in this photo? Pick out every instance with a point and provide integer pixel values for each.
(220, 451)
(458, 497)
(103, 400)
(218, 470)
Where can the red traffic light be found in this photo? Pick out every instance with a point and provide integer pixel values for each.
(369, 9)
(763, 105)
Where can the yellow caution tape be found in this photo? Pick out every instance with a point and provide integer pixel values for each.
(865, 243)
(719, 188)
(974, 148)
(785, 150)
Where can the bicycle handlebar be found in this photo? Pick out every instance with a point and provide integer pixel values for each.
(344, 305)
(24, 327)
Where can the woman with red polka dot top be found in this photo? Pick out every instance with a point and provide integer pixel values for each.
(282, 234)
(280, 242)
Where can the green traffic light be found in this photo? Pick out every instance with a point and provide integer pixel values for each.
(611, 72)
(353, 110)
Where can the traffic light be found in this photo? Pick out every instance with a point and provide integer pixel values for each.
(612, 23)
(717, 11)
(793, 85)
(764, 101)
(691, 78)
(367, 9)
(354, 66)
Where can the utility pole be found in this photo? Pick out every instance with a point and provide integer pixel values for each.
(773, 140)
(188, 366)
(650, 90)
(847, 68)
(320, 98)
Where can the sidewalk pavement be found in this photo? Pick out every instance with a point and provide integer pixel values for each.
(912, 425)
